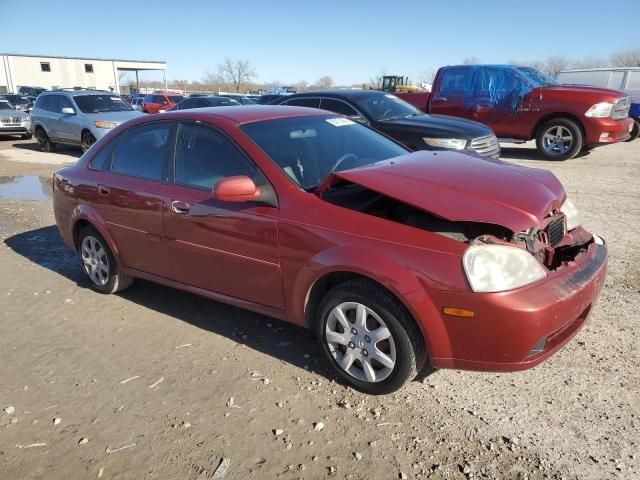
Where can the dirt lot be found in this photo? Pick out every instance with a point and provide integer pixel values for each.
(157, 383)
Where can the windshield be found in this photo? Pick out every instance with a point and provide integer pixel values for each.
(5, 106)
(101, 103)
(308, 149)
(537, 78)
(386, 107)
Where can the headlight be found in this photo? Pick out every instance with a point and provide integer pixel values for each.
(105, 124)
(571, 212)
(497, 268)
(451, 143)
(599, 110)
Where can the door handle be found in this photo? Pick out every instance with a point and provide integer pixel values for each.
(180, 207)
(104, 190)
(440, 99)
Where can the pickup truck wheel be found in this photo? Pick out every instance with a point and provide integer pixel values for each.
(559, 139)
(44, 143)
(635, 132)
(369, 337)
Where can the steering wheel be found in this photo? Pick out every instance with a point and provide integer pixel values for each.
(343, 158)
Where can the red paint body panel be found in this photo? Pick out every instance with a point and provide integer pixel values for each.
(267, 258)
(535, 107)
(458, 187)
(152, 107)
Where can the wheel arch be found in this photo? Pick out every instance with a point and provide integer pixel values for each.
(84, 216)
(554, 115)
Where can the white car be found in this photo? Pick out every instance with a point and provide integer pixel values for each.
(14, 122)
(136, 103)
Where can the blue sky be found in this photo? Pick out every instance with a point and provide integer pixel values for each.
(350, 40)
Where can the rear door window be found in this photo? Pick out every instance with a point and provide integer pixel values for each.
(304, 102)
(633, 80)
(337, 106)
(143, 151)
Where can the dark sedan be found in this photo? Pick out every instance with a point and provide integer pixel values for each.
(402, 121)
(204, 102)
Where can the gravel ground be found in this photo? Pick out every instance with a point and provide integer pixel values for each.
(158, 383)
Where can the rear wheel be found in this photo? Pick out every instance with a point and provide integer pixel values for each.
(44, 143)
(99, 264)
(635, 132)
(86, 141)
(559, 139)
(369, 337)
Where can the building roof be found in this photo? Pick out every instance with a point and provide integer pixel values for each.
(81, 58)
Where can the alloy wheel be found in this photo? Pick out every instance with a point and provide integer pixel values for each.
(360, 342)
(95, 260)
(557, 140)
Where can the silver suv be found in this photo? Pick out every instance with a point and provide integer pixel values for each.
(77, 117)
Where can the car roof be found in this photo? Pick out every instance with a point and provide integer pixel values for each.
(73, 93)
(247, 113)
(344, 93)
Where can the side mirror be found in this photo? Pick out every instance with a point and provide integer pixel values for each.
(236, 189)
(68, 111)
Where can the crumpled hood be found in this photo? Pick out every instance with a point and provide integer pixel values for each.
(462, 187)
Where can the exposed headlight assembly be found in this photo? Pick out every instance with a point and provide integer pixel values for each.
(599, 110)
(450, 143)
(498, 268)
(571, 212)
(100, 124)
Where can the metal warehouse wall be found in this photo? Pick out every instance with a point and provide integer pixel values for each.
(17, 71)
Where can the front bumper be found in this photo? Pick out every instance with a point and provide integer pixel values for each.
(15, 129)
(521, 328)
(601, 131)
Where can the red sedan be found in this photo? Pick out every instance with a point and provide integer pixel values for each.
(393, 258)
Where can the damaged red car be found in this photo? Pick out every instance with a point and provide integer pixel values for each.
(395, 259)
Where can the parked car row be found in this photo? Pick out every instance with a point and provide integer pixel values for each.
(393, 258)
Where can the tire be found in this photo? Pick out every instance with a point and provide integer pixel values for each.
(86, 141)
(26, 136)
(559, 139)
(99, 264)
(635, 132)
(403, 347)
(44, 143)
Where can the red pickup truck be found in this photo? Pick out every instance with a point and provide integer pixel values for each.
(521, 103)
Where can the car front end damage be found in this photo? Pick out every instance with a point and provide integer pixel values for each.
(522, 293)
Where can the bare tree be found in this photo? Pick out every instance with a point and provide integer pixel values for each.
(324, 83)
(554, 65)
(590, 62)
(236, 72)
(427, 76)
(471, 61)
(626, 58)
(301, 86)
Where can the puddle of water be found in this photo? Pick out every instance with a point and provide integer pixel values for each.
(28, 187)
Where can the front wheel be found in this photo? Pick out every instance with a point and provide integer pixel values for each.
(559, 139)
(86, 141)
(99, 264)
(635, 132)
(44, 143)
(369, 337)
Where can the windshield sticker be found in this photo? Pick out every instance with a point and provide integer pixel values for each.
(116, 99)
(340, 122)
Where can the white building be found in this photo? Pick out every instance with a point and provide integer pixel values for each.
(52, 72)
